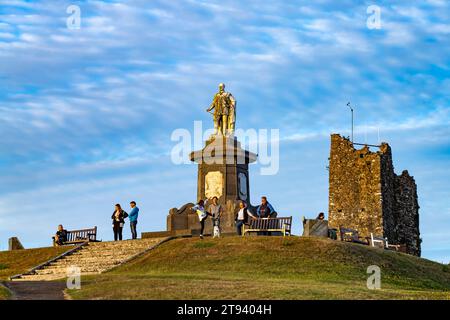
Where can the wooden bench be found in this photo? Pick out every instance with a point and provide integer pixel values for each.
(80, 236)
(397, 247)
(351, 235)
(282, 224)
(375, 241)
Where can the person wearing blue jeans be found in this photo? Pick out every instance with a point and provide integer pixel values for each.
(133, 216)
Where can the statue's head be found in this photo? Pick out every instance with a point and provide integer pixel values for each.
(221, 87)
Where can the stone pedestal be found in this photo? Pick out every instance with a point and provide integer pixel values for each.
(222, 172)
(317, 228)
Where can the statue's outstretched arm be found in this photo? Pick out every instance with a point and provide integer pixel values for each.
(213, 104)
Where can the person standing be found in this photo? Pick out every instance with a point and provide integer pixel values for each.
(133, 216)
(118, 217)
(199, 208)
(242, 217)
(215, 209)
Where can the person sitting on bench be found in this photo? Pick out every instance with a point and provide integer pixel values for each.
(265, 209)
(60, 236)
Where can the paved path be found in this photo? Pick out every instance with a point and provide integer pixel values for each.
(36, 290)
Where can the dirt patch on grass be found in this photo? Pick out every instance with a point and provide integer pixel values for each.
(37, 290)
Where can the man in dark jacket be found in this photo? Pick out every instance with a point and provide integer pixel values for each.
(265, 209)
(60, 236)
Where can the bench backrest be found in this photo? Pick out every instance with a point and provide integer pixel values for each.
(83, 234)
(378, 239)
(271, 223)
(348, 234)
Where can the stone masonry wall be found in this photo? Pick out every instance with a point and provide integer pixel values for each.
(407, 213)
(355, 188)
(365, 194)
(387, 184)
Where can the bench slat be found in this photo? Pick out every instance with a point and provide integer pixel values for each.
(281, 224)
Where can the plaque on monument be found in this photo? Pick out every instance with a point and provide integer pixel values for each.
(213, 184)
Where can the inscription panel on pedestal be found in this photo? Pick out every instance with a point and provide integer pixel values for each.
(213, 184)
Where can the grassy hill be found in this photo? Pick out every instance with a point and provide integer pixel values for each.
(15, 262)
(19, 261)
(4, 293)
(268, 268)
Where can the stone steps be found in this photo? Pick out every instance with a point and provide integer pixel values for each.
(63, 271)
(82, 260)
(102, 255)
(93, 258)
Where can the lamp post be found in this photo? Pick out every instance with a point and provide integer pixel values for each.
(351, 109)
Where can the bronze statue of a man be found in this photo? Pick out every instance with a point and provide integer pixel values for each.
(224, 106)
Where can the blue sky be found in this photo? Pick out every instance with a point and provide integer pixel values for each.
(86, 115)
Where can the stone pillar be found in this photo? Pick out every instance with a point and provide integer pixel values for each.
(315, 227)
(14, 244)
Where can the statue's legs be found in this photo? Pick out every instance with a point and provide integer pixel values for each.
(231, 121)
(224, 124)
(217, 124)
(231, 128)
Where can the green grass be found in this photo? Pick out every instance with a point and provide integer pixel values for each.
(446, 268)
(19, 261)
(4, 293)
(267, 268)
(204, 244)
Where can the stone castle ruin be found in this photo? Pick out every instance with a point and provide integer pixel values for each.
(365, 194)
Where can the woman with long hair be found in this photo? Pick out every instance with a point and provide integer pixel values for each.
(199, 208)
(118, 218)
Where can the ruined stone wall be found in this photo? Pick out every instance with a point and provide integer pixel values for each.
(365, 194)
(406, 210)
(355, 199)
(387, 184)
